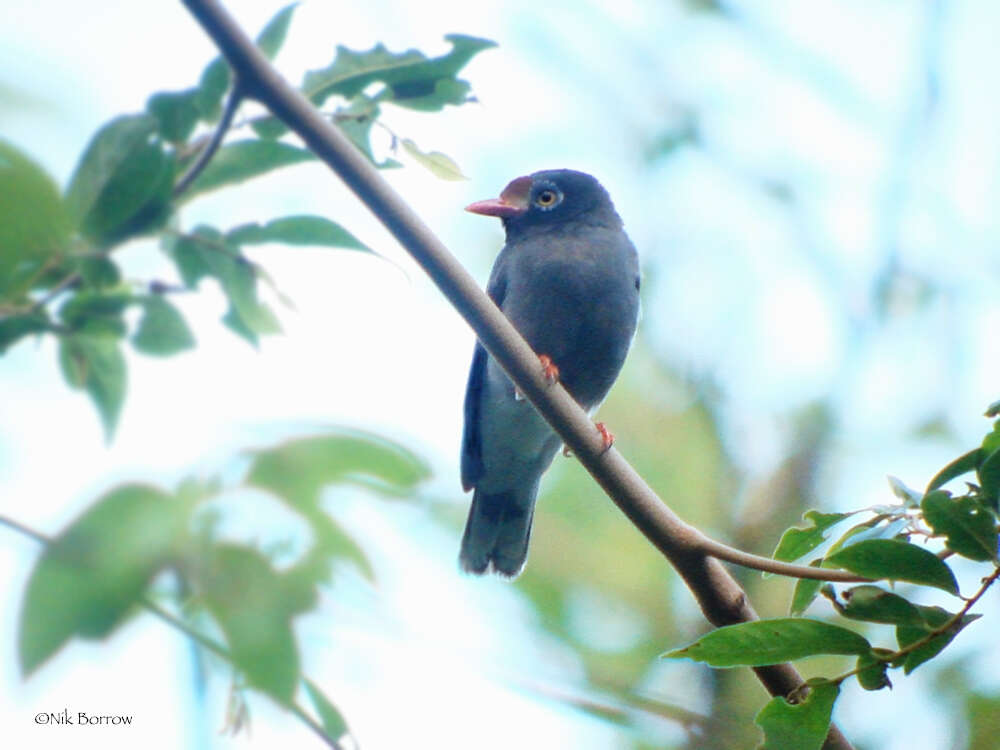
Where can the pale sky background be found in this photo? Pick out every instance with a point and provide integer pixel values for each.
(773, 302)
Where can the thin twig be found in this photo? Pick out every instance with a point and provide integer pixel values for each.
(236, 96)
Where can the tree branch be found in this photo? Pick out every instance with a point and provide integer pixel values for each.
(721, 599)
(236, 95)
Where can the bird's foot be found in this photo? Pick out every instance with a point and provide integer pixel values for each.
(549, 369)
(607, 436)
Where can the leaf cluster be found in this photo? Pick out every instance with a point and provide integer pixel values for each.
(59, 268)
(102, 569)
(891, 545)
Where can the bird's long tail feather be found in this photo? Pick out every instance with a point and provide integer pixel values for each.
(497, 533)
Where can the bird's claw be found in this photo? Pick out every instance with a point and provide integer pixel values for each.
(607, 437)
(549, 369)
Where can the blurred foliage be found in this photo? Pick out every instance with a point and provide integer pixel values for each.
(100, 569)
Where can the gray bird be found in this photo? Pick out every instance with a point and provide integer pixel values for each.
(568, 280)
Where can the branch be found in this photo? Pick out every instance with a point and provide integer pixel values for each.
(721, 599)
(236, 95)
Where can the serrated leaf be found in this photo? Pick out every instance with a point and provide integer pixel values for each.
(95, 363)
(802, 726)
(961, 465)
(176, 113)
(873, 604)
(93, 574)
(440, 165)
(408, 76)
(254, 605)
(895, 560)
(798, 542)
(243, 160)
(272, 36)
(34, 223)
(774, 641)
(969, 529)
(162, 330)
(334, 725)
(295, 230)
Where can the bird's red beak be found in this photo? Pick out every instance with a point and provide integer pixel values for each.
(513, 201)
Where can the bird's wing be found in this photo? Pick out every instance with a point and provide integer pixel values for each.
(472, 449)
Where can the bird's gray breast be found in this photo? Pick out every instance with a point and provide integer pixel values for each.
(573, 296)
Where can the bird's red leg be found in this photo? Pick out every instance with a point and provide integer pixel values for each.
(549, 369)
(606, 435)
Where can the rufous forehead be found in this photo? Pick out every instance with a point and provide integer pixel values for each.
(518, 191)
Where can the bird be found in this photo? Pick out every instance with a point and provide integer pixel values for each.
(568, 280)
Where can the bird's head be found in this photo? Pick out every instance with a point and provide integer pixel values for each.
(550, 198)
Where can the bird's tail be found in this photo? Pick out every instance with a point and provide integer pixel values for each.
(497, 532)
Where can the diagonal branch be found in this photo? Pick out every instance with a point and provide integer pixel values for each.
(693, 555)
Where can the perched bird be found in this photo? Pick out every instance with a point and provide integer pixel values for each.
(568, 280)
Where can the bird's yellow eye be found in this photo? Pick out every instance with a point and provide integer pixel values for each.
(546, 198)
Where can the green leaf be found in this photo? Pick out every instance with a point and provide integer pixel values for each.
(99, 272)
(97, 310)
(162, 330)
(799, 726)
(176, 113)
(804, 593)
(334, 725)
(298, 470)
(295, 230)
(92, 575)
(34, 223)
(440, 165)
(272, 36)
(872, 672)
(895, 560)
(212, 87)
(873, 604)
(205, 252)
(991, 442)
(763, 642)
(989, 478)
(122, 184)
(934, 618)
(993, 410)
(969, 528)
(243, 160)
(13, 328)
(961, 465)
(798, 542)
(254, 605)
(95, 363)
(409, 77)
